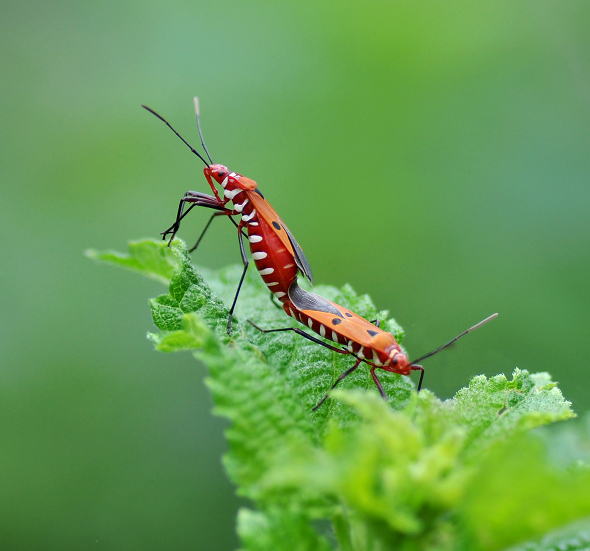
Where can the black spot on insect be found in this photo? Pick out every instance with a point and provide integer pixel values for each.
(258, 191)
(276, 225)
(371, 332)
(348, 314)
(336, 321)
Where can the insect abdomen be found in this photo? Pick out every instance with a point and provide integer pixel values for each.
(274, 262)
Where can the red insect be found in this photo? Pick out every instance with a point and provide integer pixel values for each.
(275, 251)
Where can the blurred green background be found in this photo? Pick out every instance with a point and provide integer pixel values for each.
(434, 155)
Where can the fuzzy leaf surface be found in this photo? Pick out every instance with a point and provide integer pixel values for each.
(411, 473)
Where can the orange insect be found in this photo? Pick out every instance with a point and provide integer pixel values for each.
(364, 340)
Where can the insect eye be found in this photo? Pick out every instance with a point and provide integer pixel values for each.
(221, 173)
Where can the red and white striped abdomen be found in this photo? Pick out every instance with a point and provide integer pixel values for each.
(274, 262)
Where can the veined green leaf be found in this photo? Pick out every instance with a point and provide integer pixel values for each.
(414, 473)
(147, 257)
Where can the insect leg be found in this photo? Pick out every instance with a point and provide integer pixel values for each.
(174, 227)
(303, 334)
(378, 383)
(421, 369)
(197, 199)
(213, 188)
(246, 264)
(214, 215)
(343, 376)
(225, 212)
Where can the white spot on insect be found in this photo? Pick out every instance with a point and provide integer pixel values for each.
(272, 283)
(224, 183)
(255, 238)
(259, 256)
(322, 330)
(349, 346)
(253, 223)
(248, 217)
(376, 359)
(287, 266)
(240, 207)
(310, 323)
(266, 271)
(231, 193)
(279, 294)
(334, 336)
(291, 313)
(361, 353)
(232, 174)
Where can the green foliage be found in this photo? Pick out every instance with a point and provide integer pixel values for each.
(413, 473)
(574, 537)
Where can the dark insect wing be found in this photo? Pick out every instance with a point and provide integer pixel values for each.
(350, 326)
(272, 218)
(303, 300)
(300, 258)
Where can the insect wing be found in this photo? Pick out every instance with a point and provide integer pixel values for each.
(269, 214)
(333, 317)
(353, 329)
(299, 256)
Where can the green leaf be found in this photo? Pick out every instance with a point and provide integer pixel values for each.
(491, 410)
(278, 531)
(414, 472)
(574, 537)
(193, 333)
(147, 257)
(518, 494)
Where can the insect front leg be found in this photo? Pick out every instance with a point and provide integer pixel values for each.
(196, 199)
(212, 185)
(173, 229)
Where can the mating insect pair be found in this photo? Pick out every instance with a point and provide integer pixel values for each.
(278, 258)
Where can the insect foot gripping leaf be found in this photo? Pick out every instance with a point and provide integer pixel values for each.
(416, 473)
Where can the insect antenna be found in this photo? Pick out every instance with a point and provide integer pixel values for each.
(197, 113)
(183, 140)
(489, 318)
